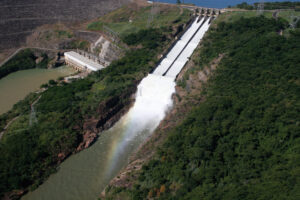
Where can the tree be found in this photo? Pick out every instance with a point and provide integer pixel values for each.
(52, 82)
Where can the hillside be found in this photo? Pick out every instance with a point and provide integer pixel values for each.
(69, 116)
(271, 5)
(235, 136)
(19, 18)
(233, 132)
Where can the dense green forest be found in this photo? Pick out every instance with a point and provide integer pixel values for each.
(30, 153)
(271, 5)
(25, 59)
(243, 141)
(281, 5)
(245, 5)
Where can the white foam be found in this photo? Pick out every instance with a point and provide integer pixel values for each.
(153, 99)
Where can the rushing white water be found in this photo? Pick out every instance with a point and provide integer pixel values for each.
(152, 101)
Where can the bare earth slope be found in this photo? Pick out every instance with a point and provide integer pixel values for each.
(18, 17)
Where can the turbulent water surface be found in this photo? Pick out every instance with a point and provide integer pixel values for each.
(16, 86)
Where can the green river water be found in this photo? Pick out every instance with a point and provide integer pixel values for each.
(85, 175)
(16, 86)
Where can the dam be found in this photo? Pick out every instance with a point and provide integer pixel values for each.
(86, 174)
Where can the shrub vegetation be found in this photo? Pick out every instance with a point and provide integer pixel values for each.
(30, 153)
(243, 141)
(271, 5)
(25, 59)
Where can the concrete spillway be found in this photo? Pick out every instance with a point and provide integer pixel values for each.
(177, 49)
(187, 52)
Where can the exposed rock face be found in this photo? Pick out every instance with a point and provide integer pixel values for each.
(18, 18)
(88, 138)
(108, 113)
(110, 52)
(15, 195)
(106, 50)
(88, 36)
(62, 156)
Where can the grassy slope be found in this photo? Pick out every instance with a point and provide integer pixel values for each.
(233, 16)
(243, 141)
(118, 20)
(30, 153)
(271, 5)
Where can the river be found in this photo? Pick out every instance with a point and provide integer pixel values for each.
(218, 3)
(16, 86)
(86, 174)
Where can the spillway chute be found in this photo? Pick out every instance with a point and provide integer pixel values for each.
(178, 47)
(187, 52)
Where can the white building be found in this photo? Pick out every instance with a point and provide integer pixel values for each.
(82, 63)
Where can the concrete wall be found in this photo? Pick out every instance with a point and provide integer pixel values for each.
(75, 65)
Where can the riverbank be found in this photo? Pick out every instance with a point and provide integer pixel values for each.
(18, 85)
(91, 158)
(70, 116)
(26, 58)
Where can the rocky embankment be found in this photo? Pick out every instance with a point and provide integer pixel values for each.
(108, 113)
(19, 18)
